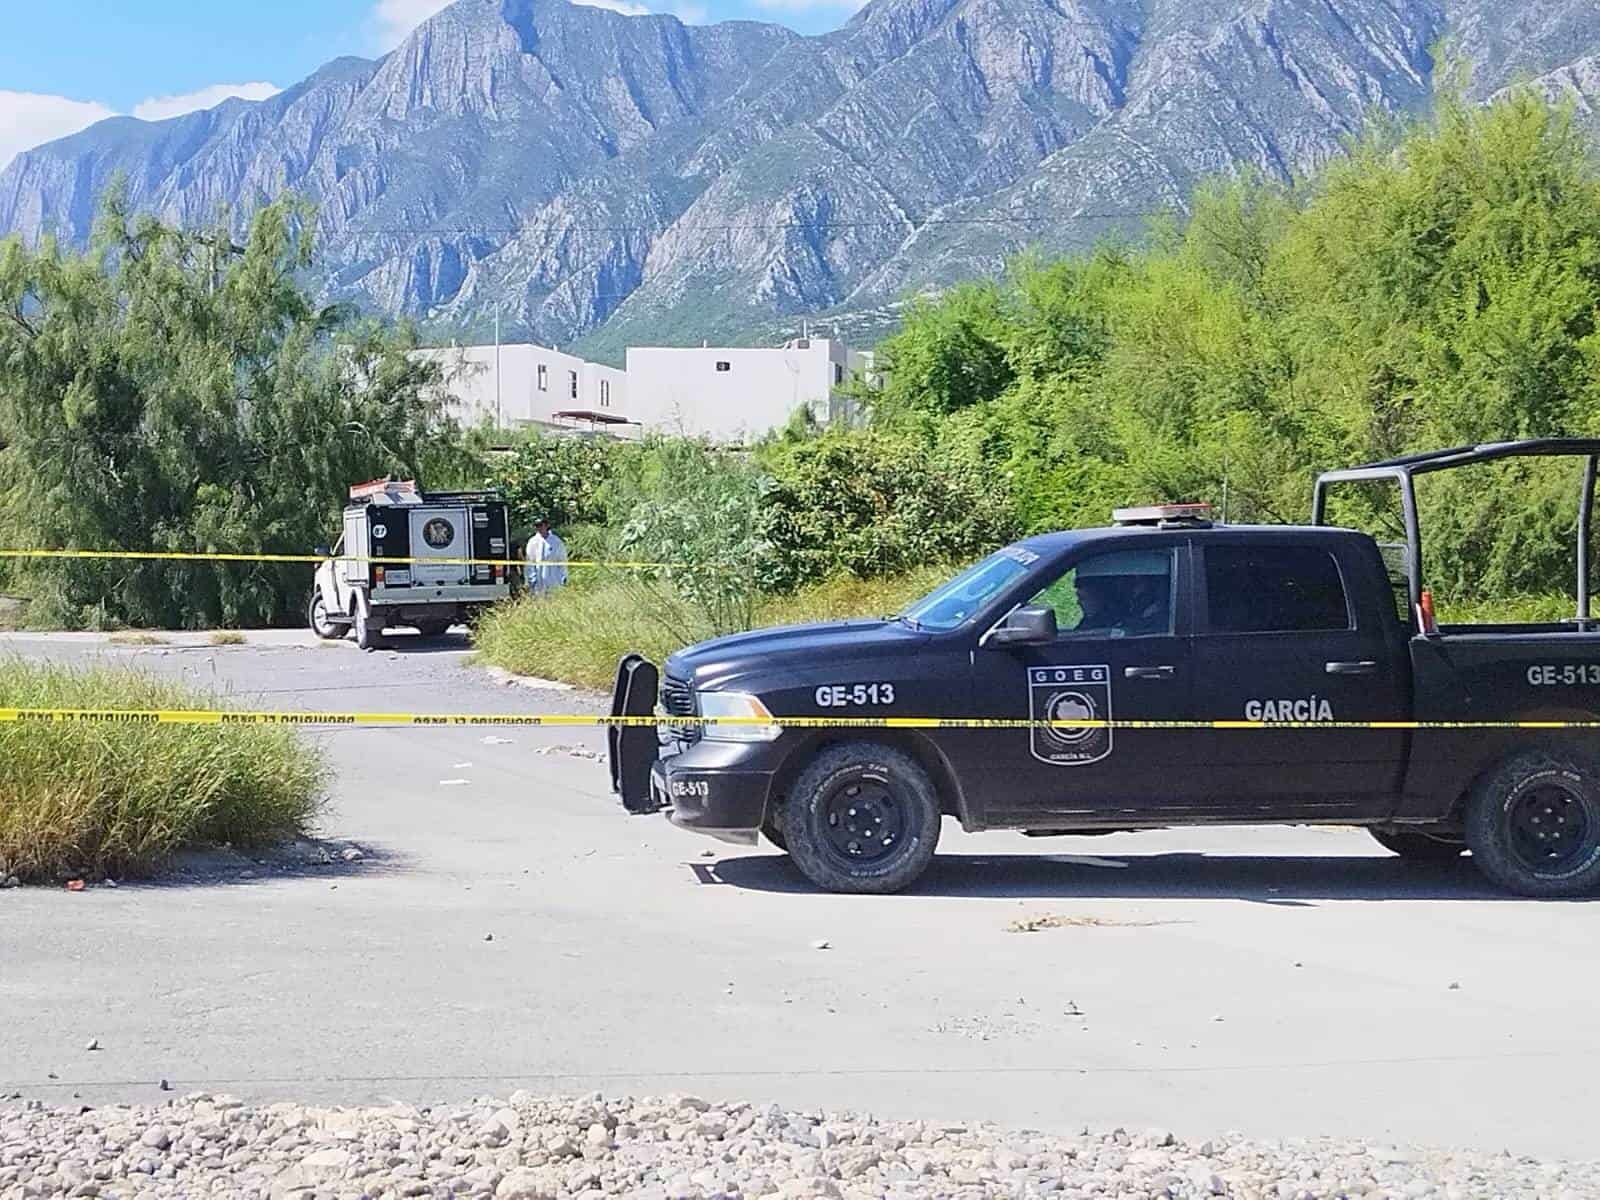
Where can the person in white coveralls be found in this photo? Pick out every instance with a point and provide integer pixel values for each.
(547, 559)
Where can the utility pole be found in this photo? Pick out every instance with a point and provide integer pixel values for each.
(497, 364)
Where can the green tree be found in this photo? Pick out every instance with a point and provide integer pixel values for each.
(950, 354)
(176, 391)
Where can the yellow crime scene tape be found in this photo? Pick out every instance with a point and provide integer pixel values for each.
(155, 716)
(209, 556)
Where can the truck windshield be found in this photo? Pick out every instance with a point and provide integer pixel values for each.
(952, 604)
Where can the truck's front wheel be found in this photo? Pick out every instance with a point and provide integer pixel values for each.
(322, 622)
(1533, 825)
(862, 818)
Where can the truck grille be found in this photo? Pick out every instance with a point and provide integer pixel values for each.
(677, 700)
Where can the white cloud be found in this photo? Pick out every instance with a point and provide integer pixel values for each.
(617, 6)
(691, 13)
(397, 18)
(28, 120)
(159, 108)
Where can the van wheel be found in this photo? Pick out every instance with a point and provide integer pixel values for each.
(1415, 846)
(1534, 824)
(862, 818)
(366, 631)
(322, 623)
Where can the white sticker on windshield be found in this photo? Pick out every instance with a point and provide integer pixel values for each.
(1064, 695)
(1019, 554)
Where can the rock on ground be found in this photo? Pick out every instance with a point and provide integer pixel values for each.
(685, 1148)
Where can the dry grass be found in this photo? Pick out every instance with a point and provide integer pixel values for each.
(136, 639)
(578, 634)
(86, 800)
(226, 637)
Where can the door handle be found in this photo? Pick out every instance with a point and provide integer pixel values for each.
(1364, 667)
(1148, 672)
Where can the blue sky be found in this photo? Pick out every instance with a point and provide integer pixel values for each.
(67, 63)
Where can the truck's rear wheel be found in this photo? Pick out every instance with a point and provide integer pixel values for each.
(862, 818)
(366, 630)
(1417, 846)
(1534, 824)
(322, 622)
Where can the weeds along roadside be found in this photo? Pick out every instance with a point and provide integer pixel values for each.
(577, 634)
(91, 800)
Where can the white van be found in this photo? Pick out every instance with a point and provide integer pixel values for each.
(389, 519)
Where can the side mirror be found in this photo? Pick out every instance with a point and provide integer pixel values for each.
(323, 552)
(1025, 627)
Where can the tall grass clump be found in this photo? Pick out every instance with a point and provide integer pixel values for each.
(96, 799)
(578, 633)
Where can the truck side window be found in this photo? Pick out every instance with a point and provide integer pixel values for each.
(1124, 593)
(1274, 589)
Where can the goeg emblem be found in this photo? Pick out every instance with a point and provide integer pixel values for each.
(1068, 694)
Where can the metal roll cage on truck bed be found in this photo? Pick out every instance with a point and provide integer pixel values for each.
(1165, 670)
(1403, 472)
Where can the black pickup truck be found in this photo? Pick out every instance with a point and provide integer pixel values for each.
(1340, 699)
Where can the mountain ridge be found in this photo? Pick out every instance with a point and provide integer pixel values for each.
(601, 178)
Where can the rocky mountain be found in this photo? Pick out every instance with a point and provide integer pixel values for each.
(605, 179)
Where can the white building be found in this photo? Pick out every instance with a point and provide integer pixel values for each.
(517, 385)
(727, 395)
(733, 395)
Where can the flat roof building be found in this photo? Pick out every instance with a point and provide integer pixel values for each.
(521, 384)
(737, 395)
(723, 394)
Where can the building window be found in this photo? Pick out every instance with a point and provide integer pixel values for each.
(724, 365)
(544, 378)
(572, 377)
(605, 393)
(838, 374)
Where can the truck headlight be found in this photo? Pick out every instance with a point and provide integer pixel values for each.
(754, 722)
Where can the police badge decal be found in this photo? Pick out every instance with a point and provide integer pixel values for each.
(1067, 694)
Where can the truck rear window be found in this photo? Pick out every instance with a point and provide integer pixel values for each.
(1273, 589)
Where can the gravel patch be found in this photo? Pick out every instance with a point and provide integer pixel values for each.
(684, 1148)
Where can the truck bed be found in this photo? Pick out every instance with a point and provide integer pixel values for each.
(1495, 673)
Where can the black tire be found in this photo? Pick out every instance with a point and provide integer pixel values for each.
(772, 826)
(323, 624)
(862, 818)
(366, 632)
(1415, 846)
(1533, 824)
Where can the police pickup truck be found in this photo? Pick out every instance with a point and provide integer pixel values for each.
(1341, 700)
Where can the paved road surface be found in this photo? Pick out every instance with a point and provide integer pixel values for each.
(1280, 982)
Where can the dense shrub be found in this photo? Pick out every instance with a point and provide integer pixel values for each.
(872, 503)
(561, 478)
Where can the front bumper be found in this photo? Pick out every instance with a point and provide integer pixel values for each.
(716, 788)
(719, 789)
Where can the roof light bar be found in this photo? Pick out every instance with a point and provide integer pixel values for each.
(1157, 514)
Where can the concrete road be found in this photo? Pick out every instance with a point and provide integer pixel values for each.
(1280, 982)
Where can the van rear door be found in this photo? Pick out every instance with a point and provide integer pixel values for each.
(440, 532)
